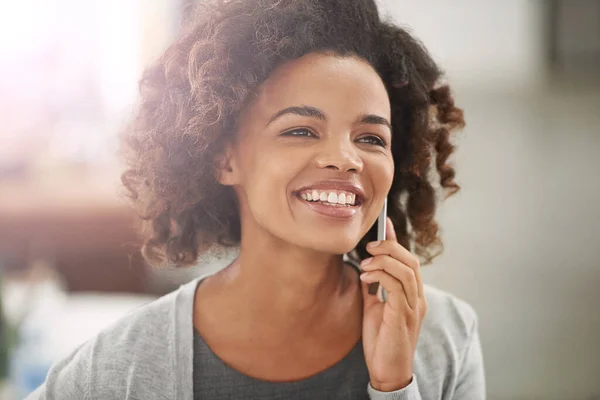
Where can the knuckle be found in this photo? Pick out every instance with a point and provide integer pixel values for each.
(409, 275)
(424, 306)
(416, 262)
(386, 263)
(398, 285)
(376, 273)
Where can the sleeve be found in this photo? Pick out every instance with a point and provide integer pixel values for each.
(68, 379)
(471, 376)
(411, 392)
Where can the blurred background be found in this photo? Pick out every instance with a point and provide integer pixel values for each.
(522, 237)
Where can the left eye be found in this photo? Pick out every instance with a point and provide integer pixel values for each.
(376, 140)
(300, 132)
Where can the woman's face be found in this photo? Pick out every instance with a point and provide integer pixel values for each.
(312, 161)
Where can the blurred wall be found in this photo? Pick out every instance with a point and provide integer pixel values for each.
(522, 240)
(477, 42)
(160, 23)
(69, 76)
(522, 236)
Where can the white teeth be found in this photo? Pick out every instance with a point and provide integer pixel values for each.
(331, 198)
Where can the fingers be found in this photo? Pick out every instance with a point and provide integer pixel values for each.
(396, 251)
(398, 279)
(395, 261)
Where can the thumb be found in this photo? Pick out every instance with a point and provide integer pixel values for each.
(390, 231)
(372, 317)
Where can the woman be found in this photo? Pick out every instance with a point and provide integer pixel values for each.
(281, 126)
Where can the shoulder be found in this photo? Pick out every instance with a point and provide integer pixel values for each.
(448, 312)
(146, 323)
(134, 353)
(446, 332)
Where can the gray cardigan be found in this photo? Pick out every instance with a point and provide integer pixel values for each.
(149, 355)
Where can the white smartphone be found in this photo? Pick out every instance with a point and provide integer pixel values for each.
(381, 224)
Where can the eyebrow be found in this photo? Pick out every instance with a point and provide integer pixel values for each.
(303, 111)
(308, 111)
(374, 120)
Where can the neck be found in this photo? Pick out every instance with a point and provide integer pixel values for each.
(288, 291)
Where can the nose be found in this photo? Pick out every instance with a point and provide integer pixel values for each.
(340, 156)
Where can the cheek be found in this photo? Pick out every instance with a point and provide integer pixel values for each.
(381, 173)
(276, 167)
(268, 181)
(389, 175)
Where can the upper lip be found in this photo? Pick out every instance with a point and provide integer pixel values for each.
(346, 186)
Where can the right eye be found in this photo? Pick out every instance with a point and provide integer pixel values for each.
(300, 132)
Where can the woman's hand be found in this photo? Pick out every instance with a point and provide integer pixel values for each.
(391, 328)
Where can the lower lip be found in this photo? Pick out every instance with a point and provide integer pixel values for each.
(330, 211)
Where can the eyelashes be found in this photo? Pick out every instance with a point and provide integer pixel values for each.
(301, 132)
(367, 139)
(376, 140)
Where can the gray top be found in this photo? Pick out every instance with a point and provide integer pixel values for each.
(213, 379)
(150, 355)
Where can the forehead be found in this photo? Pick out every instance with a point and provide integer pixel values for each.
(335, 84)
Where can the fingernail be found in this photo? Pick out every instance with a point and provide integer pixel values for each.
(373, 287)
(363, 275)
(373, 244)
(366, 261)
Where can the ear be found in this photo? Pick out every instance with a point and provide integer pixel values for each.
(226, 168)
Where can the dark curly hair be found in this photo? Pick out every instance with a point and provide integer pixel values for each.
(192, 96)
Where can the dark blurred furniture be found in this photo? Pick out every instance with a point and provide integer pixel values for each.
(573, 36)
(80, 226)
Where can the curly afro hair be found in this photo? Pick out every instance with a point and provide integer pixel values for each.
(191, 97)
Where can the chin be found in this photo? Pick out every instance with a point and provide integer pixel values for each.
(339, 245)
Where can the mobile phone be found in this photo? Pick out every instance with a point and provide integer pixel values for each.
(381, 224)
